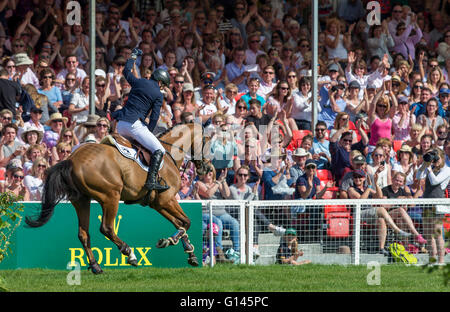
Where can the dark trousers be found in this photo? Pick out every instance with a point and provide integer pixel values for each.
(303, 124)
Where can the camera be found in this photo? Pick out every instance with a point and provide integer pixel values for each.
(431, 157)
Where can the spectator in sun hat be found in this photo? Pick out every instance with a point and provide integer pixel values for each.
(299, 156)
(23, 68)
(56, 123)
(32, 135)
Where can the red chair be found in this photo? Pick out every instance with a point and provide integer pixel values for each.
(297, 137)
(338, 220)
(324, 175)
(397, 145)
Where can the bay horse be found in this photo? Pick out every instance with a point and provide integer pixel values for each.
(99, 172)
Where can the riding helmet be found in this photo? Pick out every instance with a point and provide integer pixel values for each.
(161, 75)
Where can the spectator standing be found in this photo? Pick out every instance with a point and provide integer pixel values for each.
(9, 92)
(436, 175)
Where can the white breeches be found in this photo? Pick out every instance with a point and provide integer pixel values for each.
(139, 132)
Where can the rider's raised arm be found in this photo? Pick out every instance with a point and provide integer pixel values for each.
(127, 72)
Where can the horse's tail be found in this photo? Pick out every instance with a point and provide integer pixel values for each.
(58, 185)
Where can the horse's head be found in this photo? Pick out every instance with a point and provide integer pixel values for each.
(187, 140)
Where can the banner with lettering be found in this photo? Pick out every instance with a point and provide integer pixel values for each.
(56, 244)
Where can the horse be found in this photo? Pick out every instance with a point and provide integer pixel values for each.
(99, 172)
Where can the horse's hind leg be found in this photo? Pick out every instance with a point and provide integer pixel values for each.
(83, 209)
(173, 212)
(110, 208)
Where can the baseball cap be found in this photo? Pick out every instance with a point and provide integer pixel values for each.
(402, 99)
(359, 172)
(354, 84)
(359, 159)
(36, 109)
(333, 67)
(444, 91)
(290, 231)
(309, 163)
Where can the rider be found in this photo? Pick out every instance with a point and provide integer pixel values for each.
(145, 95)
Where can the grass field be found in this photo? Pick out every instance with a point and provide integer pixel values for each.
(230, 278)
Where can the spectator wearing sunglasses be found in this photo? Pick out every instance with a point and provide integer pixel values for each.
(34, 181)
(16, 186)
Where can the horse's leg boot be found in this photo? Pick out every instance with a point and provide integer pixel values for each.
(152, 177)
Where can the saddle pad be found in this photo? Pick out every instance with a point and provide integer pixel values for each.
(127, 152)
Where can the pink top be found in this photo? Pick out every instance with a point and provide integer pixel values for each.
(380, 129)
(401, 131)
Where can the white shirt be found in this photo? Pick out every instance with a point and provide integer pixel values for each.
(442, 178)
(63, 73)
(208, 109)
(34, 186)
(29, 77)
(80, 100)
(264, 89)
(340, 51)
(302, 106)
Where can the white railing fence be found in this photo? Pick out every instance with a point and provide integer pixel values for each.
(328, 231)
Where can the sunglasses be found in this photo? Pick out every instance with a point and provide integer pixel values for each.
(320, 129)
(347, 140)
(179, 82)
(378, 155)
(21, 177)
(243, 175)
(418, 87)
(383, 106)
(292, 76)
(269, 73)
(254, 41)
(102, 125)
(48, 77)
(284, 88)
(68, 136)
(42, 166)
(7, 118)
(65, 151)
(241, 107)
(100, 85)
(311, 167)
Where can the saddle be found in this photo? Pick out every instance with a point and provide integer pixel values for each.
(129, 148)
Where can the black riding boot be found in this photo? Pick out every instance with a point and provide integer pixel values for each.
(152, 177)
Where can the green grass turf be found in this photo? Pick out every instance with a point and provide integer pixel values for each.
(230, 278)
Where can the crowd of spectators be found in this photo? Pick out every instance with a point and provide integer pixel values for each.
(243, 70)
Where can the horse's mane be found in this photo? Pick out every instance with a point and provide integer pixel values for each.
(160, 135)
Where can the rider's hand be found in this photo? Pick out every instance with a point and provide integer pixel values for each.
(135, 53)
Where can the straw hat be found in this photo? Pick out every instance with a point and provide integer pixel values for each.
(402, 84)
(29, 129)
(56, 116)
(22, 59)
(300, 152)
(91, 120)
(405, 149)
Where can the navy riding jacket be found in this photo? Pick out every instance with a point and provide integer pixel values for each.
(144, 96)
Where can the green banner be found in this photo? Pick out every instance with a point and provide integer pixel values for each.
(56, 244)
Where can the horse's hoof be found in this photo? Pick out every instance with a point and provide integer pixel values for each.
(192, 260)
(132, 262)
(95, 268)
(162, 243)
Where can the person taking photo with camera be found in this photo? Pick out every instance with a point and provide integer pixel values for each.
(437, 176)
